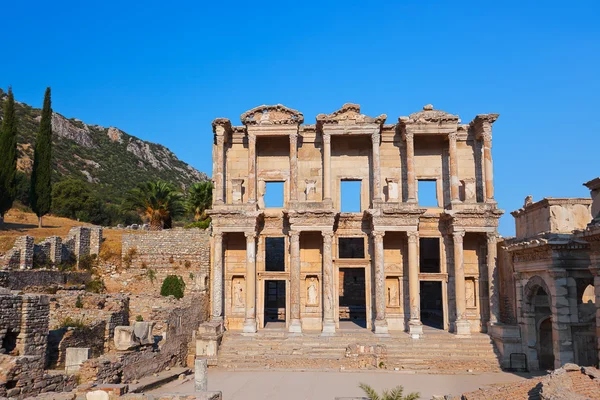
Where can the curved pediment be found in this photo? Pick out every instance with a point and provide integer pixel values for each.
(429, 115)
(350, 114)
(272, 115)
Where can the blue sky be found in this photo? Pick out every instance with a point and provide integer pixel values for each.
(164, 70)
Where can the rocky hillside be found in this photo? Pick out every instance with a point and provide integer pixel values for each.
(108, 158)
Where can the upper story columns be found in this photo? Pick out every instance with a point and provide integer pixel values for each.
(482, 125)
(221, 129)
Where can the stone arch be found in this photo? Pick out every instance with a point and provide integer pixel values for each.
(538, 318)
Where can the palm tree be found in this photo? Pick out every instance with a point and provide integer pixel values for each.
(199, 199)
(394, 394)
(157, 201)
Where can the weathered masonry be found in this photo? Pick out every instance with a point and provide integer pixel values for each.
(354, 239)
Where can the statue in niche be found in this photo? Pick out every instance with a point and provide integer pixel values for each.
(312, 291)
(393, 294)
(238, 294)
(470, 292)
(311, 190)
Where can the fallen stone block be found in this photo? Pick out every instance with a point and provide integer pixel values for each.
(75, 357)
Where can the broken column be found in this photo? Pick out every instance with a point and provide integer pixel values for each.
(201, 375)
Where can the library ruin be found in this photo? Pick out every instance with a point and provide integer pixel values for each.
(389, 226)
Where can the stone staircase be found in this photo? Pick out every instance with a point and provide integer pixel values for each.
(436, 352)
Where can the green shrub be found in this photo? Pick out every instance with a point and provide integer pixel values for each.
(199, 224)
(173, 285)
(96, 285)
(69, 322)
(78, 302)
(139, 318)
(87, 263)
(151, 274)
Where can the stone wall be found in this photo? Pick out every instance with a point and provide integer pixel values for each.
(125, 367)
(92, 336)
(41, 280)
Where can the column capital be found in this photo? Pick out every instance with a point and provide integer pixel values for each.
(220, 139)
(492, 237)
(217, 234)
(294, 234)
(487, 135)
(327, 234)
(376, 137)
(251, 137)
(378, 234)
(294, 138)
(413, 236)
(326, 138)
(458, 236)
(408, 136)
(250, 235)
(452, 136)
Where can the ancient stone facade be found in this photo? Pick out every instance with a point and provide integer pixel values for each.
(394, 263)
(549, 273)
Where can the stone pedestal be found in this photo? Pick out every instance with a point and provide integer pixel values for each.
(208, 340)
(415, 329)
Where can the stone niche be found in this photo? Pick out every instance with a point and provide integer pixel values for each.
(238, 294)
(392, 292)
(393, 189)
(311, 190)
(237, 191)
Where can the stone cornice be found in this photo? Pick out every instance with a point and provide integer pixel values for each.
(429, 116)
(349, 114)
(272, 115)
(594, 184)
(223, 123)
(550, 201)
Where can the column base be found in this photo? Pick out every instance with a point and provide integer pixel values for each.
(328, 328)
(381, 327)
(415, 329)
(295, 326)
(249, 326)
(462, 328)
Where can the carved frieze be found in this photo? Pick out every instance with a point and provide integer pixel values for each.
(349, 114)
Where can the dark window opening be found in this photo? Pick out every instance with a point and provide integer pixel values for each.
(9, 343)
(352, 299)
(432, 309)
(429, 255)
(274, 194)
(350, 196)
(427, 193)
(351, 247)
(275, 254)
(274, 301)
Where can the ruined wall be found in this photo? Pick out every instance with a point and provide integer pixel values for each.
(125, 367)
(552, 215)
(38, 281)
(59, 340)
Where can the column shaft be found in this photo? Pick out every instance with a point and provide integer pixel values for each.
(376, 139)
(326, 166)
(294, 166)
(251, 168)
(410, 167)
(493, 281)
(295, 326)
(217, 287)
(454, 182)
(219, 188)
(250, 322)
(328, 285)
(488, 165)
(461, 325)
(380, 321)
(415, 328)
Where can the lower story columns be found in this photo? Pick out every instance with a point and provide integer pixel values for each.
(381, 326)
(295, 325)
(250, 321)
(328, 285)
(217, 283)
(461, 325)
(415, 327)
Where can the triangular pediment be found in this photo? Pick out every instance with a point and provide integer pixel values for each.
(429, 115)
(272, 115)
(350, 114)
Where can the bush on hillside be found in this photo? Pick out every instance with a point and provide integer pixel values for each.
(173, 285)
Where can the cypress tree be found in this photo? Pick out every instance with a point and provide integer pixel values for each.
(8, 159)
(41, 189)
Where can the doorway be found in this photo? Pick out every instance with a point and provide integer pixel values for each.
(275, 311)
(352, 300)
(545, 345)
(432, 308)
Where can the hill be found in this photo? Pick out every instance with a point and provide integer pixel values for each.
(108, 159)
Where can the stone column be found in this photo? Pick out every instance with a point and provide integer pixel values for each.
(487, 164)
(295, 325)
(493, 280)
(251, 168)
(217, 287)
(201, 375)
(250, 322)
(381, 326)
(326, 166)
(410, 166)
(328, 285)
(219, 188)
(454, 181)
(596, 272)
(415, 327)
(462, 326)
(376, 140)
(294, 166)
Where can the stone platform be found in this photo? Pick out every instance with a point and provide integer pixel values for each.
(436, 352)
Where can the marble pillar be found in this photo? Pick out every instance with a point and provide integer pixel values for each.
(217, 287)
(294, 166)
(376, 140)
(493, 282)
(219, 187)
(415, 327)
(326, 166)
(250, 321)
(295, 325)
(328, 285)
(488, 167)
(454, 181)
(462, 326)
(381, 326)
(251, 168)
(410, 166)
